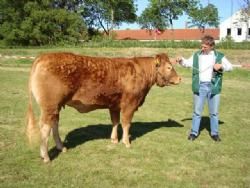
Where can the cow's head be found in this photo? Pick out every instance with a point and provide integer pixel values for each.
(165, 72)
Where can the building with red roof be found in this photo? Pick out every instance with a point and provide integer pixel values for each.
(169, 34)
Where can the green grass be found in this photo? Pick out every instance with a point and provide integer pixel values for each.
(160, 156)
(235, 56)
(110, 43)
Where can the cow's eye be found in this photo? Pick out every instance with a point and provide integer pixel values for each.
(169, 68)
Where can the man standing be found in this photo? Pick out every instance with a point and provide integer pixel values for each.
(208, 66)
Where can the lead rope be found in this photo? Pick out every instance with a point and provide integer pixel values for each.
(204, 69)
(213, 76)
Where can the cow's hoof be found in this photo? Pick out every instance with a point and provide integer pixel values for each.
(127, 144)
(46, 160)
(114, 140)
(64, 149)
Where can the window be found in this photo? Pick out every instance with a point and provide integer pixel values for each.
(239, 31)
(228, 31)
(248, 31)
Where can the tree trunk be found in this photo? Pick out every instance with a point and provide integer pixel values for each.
(112, 23)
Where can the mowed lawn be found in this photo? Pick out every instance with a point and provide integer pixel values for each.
(160, 155)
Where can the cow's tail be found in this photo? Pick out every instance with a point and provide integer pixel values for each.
(32, 131)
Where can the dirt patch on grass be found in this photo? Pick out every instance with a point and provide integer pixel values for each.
(14, 69)
(246, 66)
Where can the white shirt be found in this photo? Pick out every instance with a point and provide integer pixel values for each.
(206, 63)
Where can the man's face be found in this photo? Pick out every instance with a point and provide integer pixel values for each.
(205, 48)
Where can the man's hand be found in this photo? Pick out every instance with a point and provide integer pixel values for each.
(178, 60)
(217, 67)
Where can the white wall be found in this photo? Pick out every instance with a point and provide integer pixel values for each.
(234, 23)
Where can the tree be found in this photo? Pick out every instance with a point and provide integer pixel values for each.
(106, 14)
(245, 15)
(161, 13)
(202, 17)
(38, 22)
(71, 5)
(246, 8)
(152, 19)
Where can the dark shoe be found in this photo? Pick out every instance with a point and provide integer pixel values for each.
(192, 137)
(216, 138)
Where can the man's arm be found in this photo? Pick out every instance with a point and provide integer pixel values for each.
(224, 66)
(185, 62)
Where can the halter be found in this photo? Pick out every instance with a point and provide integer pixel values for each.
(157, 72)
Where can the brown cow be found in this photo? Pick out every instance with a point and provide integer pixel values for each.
(89, 83)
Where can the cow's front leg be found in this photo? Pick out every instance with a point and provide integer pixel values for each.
(127, 115)
(115, 118)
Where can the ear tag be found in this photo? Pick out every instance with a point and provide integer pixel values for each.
(157, 62)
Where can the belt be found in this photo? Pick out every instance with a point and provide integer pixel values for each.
(205, 82)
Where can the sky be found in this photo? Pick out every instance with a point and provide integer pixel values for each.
(225, 9)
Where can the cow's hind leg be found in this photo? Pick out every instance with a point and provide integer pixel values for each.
(57, 139)
(115, 118)
(49, 120)
(45, 132)
(127, 115)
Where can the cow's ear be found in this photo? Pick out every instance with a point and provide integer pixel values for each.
(157, 62)
(162, 57)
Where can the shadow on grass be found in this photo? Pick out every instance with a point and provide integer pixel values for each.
(205, 123)
(103, 131)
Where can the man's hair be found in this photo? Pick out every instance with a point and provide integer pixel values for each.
(208, 40)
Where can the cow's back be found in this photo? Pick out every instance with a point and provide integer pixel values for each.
(92, 81)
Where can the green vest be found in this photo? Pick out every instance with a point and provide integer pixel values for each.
(217, 75)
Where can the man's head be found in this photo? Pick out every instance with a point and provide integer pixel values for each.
(207, 44)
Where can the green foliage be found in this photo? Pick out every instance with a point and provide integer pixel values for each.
(108, 13)
(98, 41)
(202, 17)
(71, 5)
(245, 13)
(37, 23)
(151, 19)
(228, 43)
(160, 14)
(106, 42)
(49, 22)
